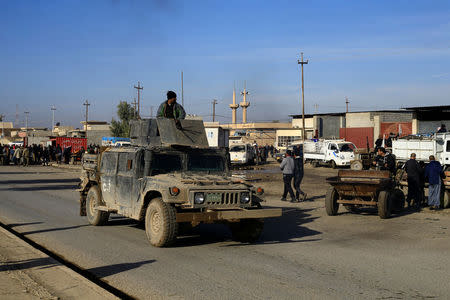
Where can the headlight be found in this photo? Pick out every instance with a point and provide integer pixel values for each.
(245, 197)
(260, 191)
(174, 191)
(199, 198)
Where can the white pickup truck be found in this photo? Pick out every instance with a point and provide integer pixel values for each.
(334, 153)
(242, 154)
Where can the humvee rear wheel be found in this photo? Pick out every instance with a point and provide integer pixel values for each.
(93, 199)
(247, 230)
(398, 200)
(384, 204)
(331, 204)
(160, 223)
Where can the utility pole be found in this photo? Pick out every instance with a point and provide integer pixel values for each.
(303, 96)
(53, 108)
(26, 123)
(3, 126)
(182, 90)
(134, 106)
(16, 121)
(139, 88)
(151, 111)
(86, 103)
(214, 102)
(346, 104)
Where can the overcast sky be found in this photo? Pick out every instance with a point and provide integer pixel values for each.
(379, 54)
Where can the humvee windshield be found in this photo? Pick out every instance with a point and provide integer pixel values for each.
(205, 163)
(237, 149)
(166, 163)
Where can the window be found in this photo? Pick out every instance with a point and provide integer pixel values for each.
(347, 147)
(448, 146)
(165, 163)
(333, 147)
(125, 162)
(205, 163)
(109, 163)
(240, 148)
(284, 141)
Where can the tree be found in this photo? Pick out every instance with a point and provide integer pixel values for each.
(121, 127)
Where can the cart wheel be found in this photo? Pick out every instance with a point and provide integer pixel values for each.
(446, 200)
(331, 204)
(314, 164)
(356, 165)
(398, 200)
(384, 204)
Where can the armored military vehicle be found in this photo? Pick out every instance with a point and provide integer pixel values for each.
(170, 179)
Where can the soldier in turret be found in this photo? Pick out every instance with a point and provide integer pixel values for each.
(170, 108)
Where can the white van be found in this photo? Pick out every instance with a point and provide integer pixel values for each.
(242, 154)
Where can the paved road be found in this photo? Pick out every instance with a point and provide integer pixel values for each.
(305, 254)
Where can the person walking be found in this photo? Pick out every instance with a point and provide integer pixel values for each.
(413, 170)
(298, 173)
(287, 166)
(26, 156)
(434, 173)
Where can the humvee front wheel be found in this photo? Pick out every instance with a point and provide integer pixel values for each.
(247, 230)
(161, 226)
(93, 199)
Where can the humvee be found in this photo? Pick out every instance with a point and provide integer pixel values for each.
(170, 179)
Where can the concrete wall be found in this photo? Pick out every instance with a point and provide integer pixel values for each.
(393, 116)
(328, 126)
(359, 119)
(95, 136)
(298, 123)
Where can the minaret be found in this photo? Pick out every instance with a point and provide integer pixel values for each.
(244, 104)
(234, 106)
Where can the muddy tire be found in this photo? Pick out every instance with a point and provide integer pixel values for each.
(384, 205)
(398, 200)
(314, 164)
(94, 216)
(331, 204)
(247, 230)
(161, 226)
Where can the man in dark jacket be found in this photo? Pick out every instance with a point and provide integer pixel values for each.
(385, 161)
(298, 173)
(414, 171)
(287, 166)
(434, 173)
(170, 108)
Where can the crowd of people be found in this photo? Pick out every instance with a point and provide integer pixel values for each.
(417, 175)
(40, 155)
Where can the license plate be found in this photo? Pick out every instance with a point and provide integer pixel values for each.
(216, 197)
